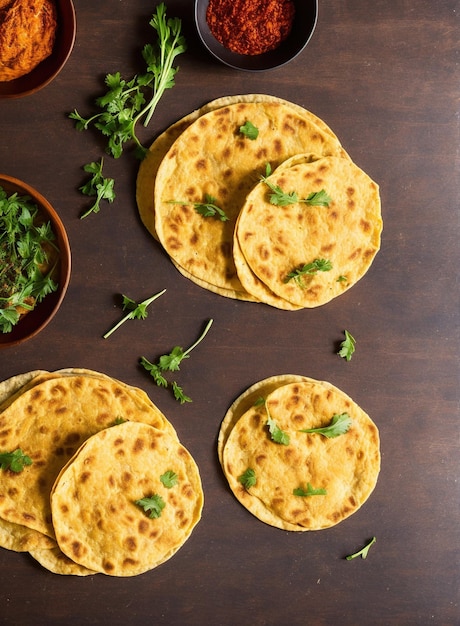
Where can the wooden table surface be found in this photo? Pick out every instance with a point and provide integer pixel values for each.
(384, 76)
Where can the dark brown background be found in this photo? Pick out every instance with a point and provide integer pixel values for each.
(384, 75)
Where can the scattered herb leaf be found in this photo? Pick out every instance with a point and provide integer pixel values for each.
(340, 424)
(248, 478)
(136, 310)
(208, 208)
(169, 479)
(153, 505)
(347, 347)
(126, 103)
(309, 269)
(99, 186)
(171, 363)
(362, 553)
(281, 198)
(249, 130)
(309, 491)
(14, 461)
(342, 279)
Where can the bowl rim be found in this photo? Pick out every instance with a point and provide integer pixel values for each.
(36, 197)
(18, 87)
(256, 63)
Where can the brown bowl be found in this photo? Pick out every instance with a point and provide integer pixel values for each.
(306, 13)
(48, 69)
(36, 320)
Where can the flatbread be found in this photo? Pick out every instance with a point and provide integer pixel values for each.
(57, 562)
(97, 521)
(211, 157)
(276, 240)
(347, 466)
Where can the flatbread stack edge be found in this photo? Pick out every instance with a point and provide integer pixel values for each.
(55, 418)
(309, 481)
(205, 157)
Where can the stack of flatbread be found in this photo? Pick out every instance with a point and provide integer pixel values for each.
(98, 447)
(302, 480)
(252, 245)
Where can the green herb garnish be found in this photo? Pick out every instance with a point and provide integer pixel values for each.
(248, 478)
(14, 461)
(277, 435)
(169, 479)
(342, 279)
(347, 347)
(126, 103)
(26, 246)
(340, 424)
(136, 311)
(208, 208)
(309, 269)
(362, 553)
(281, 198)
(309, 491)
(249, 130)
(171, 363)
(153, 505)
(99, 186)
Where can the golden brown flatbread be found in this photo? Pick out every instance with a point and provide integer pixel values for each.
(342, 470)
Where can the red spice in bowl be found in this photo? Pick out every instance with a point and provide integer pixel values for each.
(250, 26)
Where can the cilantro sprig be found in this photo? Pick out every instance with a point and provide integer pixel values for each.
(277, 435)
(363, 552)
(171, 363)
(340, 424)
(26, 245)
(249, 130)
(347, 347)
(309, 269)
(208, 208)
(14, 461)
(152, 505)
(136, 310)
(279, 197)
(127, 103)
(248, 478)
(169, 479)
(97, 186)
(309, 491)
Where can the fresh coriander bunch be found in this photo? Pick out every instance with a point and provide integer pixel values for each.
(129, 102)
(28, 258)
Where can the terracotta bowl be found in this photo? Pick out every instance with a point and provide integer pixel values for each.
(306, 12)
(36, 320)
(48, 69)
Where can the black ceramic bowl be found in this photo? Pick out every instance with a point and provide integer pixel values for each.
(36, 320)
(48, 69)
(306, 12)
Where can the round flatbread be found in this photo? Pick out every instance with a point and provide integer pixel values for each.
(343, 470)
(54, 560)
(211, 158)
(276, 240)
(48, 422)
(98, 520)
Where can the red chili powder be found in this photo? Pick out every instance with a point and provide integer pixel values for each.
(250, 26)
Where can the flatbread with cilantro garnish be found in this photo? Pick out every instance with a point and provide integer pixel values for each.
(104, 528)
(311, 481)
(278, 236)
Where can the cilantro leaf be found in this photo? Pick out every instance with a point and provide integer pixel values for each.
(309, 269)
(248, 478)
(208, 208)
(347, 347)
(97, 186)
(309, 491)
(136, 310)
(171, 363)
(362, 553)
(169, 479)
(153, 505)
(14, 461)
(249, 130)
(277, 435)
(281, 198)
(340, 424)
